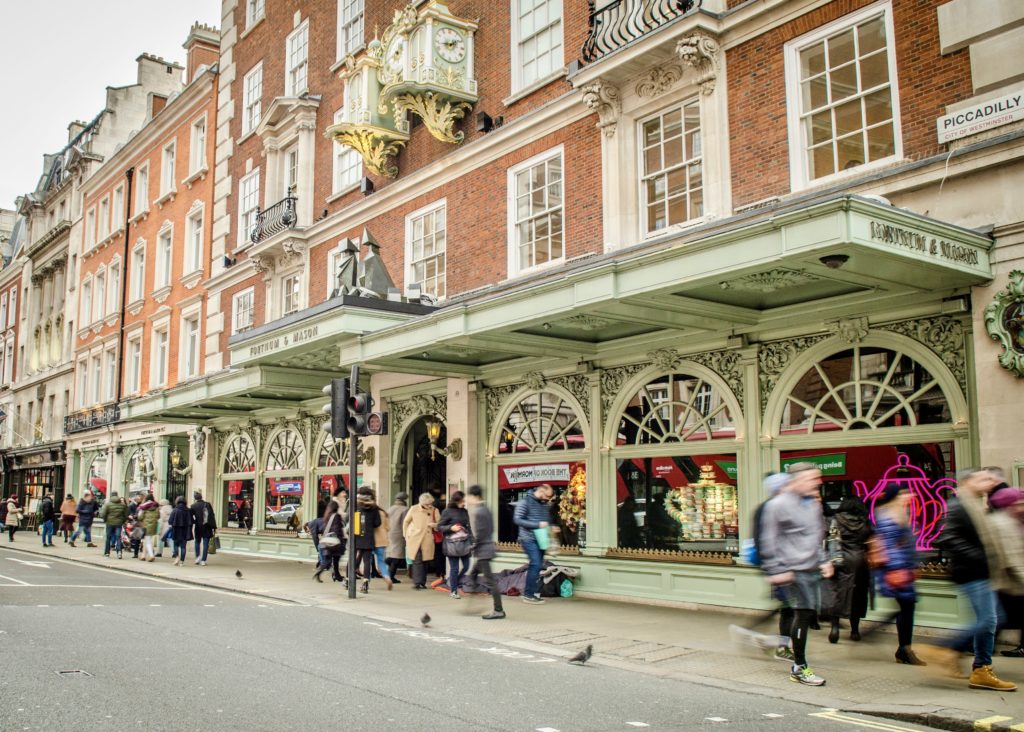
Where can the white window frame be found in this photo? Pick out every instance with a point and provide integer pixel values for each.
(245, 224)
(518, 82)
(190, 343)
(114, 275)
(410, 220)
(104, 219)
(168, 164)
(798, 164)
(110, 377)
(346, 162)
(85, 304)
(252, 98)
(292, 87)
(291, 293)
(142, 189)
(9, 360)
(82, 371)
(3, 308)
(197, 146)
(90, 227)
(163, 266)
(96, 378)
(134, 363)
(117, 209)
(99, 294)
(12, 312)
(254, 12)
(685, 163)
(193, 254)
(138, 272)
(236, 325)
(351, 26)
(159, 365)
(511, 224)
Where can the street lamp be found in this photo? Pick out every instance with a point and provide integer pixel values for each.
(454, 450)
(175, 457)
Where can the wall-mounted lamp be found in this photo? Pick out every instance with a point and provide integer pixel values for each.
(366, 186)
(454, 450)
(175, 457)
(834, 261)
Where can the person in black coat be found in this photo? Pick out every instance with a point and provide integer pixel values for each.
(203, 525)
(180, 522)
(87, 509)
(845, 595)
(457, 543)
(48, 515)
(363, 539)
(330, 541)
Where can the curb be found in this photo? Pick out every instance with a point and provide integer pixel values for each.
(954, 720)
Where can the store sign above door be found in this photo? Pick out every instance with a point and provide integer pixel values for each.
(527, 475)
(985, 116)
(927, 246)
(830, 465)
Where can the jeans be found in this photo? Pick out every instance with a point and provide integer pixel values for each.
(87, 530)
(47, 532)
(179, 549)
(113, 540)
(380, 553)
(981, 635)
(483, 566)
(455, 572)
(205, 541)
(535, 555)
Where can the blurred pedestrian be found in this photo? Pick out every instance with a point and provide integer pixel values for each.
(363, 534)
(12, 521)
(163, 529)
(47, 514)
(380, 541)
(793, 557)
(1007, 519)
(438, 565)
(86, 509)
(849, 530)
(204, 524)
(418, 530)
(3, 513)
(969, 542)
(181, 529)
(330, 542)
(533, 517)
(316, 529)
(481, 523)
(67, 517)
(149, 519)
(113, 514)
(396, 539)
(457, 543)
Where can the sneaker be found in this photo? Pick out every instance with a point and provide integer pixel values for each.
(804, 675)
(784, 653)
(1017, 652)
(984, 677)
(494, 615)
(202, 564)
(197, 561)
(533, 600)
(454, 594)
(120, 556)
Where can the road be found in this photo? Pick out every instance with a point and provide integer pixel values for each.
(153, 654)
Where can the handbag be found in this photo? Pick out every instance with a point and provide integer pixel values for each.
(457, 545)
(877, 556)
(330, 541)
(899, 579)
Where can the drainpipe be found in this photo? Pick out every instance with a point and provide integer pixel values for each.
(129, 174)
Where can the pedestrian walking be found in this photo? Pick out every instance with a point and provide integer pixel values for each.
(47, 515)
(793, 557)
(438, 565)
(457, 543)
(133, 505)
(418, 530)
(12, 521)
(181, 529)
(149, 519)
(330, 542)
(315, 529)
(113, 514)
(67, 517)
(204, 525)
(163, 529)
(533, 517)
(380, 542)
(847, 590)
(969, 542)
(481, 523)
(3, 514)
(86, 509)
(1007, 519)
(367, 520)
(395, 555)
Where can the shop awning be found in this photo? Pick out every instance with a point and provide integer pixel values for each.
(814, 261)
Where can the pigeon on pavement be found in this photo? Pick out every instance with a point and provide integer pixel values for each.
(583, 656)
(425, 620)
(238, 573)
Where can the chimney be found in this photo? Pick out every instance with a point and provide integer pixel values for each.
(202, 48)
(75, 128)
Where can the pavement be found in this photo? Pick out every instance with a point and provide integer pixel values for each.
(694, 646)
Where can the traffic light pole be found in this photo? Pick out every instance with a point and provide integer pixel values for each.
(353, 450)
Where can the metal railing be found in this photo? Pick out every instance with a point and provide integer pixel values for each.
(279, 217)
(89, 418)
(620, 22)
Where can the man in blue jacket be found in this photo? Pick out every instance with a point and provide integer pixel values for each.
(532, 513)
(87, 510)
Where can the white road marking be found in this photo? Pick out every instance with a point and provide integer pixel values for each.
(97, 606)
(638, 724)
(546, 729)
(773, 715)
(44, 565)
(152, 605)
(42, 606)
(3, 576)
(715, 719)
(209, 606)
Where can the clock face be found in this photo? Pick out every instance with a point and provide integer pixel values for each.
(450, 45)
(395, 58)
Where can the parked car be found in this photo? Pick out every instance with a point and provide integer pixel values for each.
(282, 515)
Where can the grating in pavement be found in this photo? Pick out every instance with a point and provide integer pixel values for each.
(565, 640)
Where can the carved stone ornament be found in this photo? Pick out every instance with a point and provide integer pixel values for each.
(851, 330)
(579, 386)
(587, 322)
(262, 264)
(1004, 321)
(612, 381)
(666, 359)
(376, 147)
(658, 80)
(943, 335)
(775, 357)
(496, 399)
(199, 443)
(604, 99)
(534, 380)
(770, 281)
(727, 365)
(700, 52)
(438, 113)
(293, 248)
(402, 411)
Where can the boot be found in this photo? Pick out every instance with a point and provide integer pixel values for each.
(984, 677)
(72, 545)
(905, 654)
(317, 573)
(833, 634)
(365, 587)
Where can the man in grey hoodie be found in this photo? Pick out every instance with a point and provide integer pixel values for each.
(481, 524)
(793, 557)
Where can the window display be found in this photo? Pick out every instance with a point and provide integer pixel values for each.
(284, 503)
(568, 507)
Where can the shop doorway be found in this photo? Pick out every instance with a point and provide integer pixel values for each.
(427, 470)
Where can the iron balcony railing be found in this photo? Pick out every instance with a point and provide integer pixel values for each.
(90, 418)
(620, 22)
(279, 217)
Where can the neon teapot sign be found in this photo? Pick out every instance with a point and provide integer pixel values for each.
(927, 504)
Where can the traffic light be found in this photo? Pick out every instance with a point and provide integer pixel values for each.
(336, 409)
(363, 421)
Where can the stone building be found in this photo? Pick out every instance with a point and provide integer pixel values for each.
(644, 253)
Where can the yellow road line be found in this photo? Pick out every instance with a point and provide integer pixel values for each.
(985, 725)
(865, 723)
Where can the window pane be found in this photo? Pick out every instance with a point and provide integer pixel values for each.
(815, 93)
(843, 82)
(848, 118)
(880, 142)
(851, 151)
(820, 127)
(673, 152)
(840, 49)
(871, 36)
(812, 61)
(874, 70)
(878, 106)
(652, 132)
(652, 160)
(822, 163)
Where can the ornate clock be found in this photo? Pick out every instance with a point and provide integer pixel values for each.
(450, 45)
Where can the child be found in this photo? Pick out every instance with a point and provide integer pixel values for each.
(133, 533)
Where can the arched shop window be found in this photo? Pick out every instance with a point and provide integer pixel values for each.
(332, 470)
(544, 421)
(869, 416)
(676, 466)
(285, 481)
(239, 481)
(139, 472)
(97, 474)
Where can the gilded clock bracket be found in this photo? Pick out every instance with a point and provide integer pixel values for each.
(439, 114)
(375, 145)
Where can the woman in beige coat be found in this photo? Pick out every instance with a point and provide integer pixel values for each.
(418, 529)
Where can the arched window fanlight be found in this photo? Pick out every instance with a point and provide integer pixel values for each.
(240, 456)
(543, 421)
(286, 451)
(676, 408)
(864, 388)
(333, 453)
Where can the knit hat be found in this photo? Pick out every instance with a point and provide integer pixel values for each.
(888, 493)
(775, 482)
(1005, 497)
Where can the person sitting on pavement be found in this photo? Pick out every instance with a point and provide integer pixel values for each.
(1007, 518)
(113, 515)
(67, 517)
(86, 509)
(533, 514)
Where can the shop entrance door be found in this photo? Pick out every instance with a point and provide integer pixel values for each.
(428, 469)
